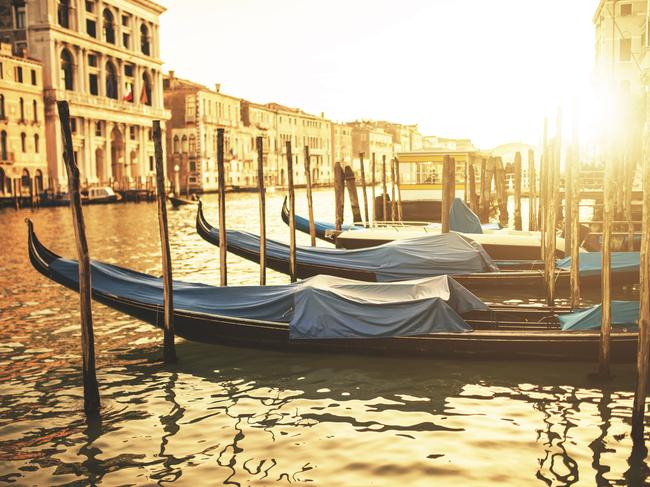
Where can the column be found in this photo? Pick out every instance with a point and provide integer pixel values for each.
(101, 62)
(90, 144)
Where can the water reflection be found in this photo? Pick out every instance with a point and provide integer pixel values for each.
(244, 417)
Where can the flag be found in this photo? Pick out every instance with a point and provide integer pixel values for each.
(128, 92)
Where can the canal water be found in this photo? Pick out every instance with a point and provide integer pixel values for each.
(247, 417)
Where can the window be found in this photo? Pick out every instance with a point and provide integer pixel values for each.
(73, 125)
(93, 84)
(149, 134)
(2, 74)
(92, 60)
(176, 143)
(126, 40)
(128, 70)
(144, 40)
(192, 166)
(22, 109)
(98, 129)
(145, 96)
(34, 77)
(91, 28)
(63, 13)
(20, 16)
(192, 147)
(36, 144)
(23, 141)
(125, 20)
(3, 146)
(67, 70)
(19, 74)
(626, 9)
(111, 81)
(2, 107)
(109, 27)
(35, 109)
(90, 6)
(132, 133)
(150, 163)
(625, 50)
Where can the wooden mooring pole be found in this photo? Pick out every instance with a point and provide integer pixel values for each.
(573, 177)
(223, 242)
(447, 176)
(310, 201)
(259, 141)
(486, 183)
(473, 197)
(292, 214)
(605, 282)
(169, 350)
(373, 185)
(339, 195)
(502, 192)
(517, 181)
(400, 213)
(363, 187)
(532, 192)
(393, 199)
(643, 354)
(91, 388)
(384, 203)
(542, 214)
(351, 186)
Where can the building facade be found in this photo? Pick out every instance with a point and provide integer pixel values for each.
(23, 163)
(373, 141)
(342, 144)
(103, 58)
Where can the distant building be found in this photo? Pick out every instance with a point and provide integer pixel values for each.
(376, 143)
(23, 165)
(507, 153)
(342, 144)
(104, 59)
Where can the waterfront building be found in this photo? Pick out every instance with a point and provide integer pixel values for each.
(23, 165)
(342, 144)
(103, 57)
(196, 113)
(371, 140)
(259, 121)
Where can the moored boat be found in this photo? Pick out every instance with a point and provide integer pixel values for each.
(240, 316)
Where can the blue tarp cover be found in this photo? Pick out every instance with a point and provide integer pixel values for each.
(319, 307)
(591, 262)
(302, 225)
(463, 219)
(624, 313)
(400, 260)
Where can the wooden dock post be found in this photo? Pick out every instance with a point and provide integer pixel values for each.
(223, 242)
(628, 179)
(643, 354)
(484, 213)
(393, 199)
(351, 186)
(384, 189)
(310, 201)
(259, 142)
(542, 215)
(169, 350)
(502, 192)
(339, 195)
(606, 276)
(91, 388)
(517, 181)
(373, 183)
(448, 173)
(532, 192)
(400, 213)
(292, 214)
(363, 187)
(572, 172)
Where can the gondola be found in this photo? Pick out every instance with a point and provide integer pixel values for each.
(176, 202)
(140, 295)
(345, 263)
(323, 229)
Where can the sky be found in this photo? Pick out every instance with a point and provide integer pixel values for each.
(488, 70)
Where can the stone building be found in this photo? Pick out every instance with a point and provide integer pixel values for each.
(342, 144)
(196, 114)
(259, 121)
(372, 140)
(102, 57)
(23, 165)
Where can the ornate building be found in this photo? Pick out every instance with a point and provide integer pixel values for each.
(23, 166)
(103, 58)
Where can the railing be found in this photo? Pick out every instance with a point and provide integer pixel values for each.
(107, 103)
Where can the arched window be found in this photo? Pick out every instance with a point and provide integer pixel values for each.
(67, 70)
(145, 43)
(145, 96)
(176, 142)
(38, 176)
(2, 107)
(184, 143)
(3, 146)
(109, 26)
(25, 180)
(22, 109)
(63, 13)
(23, 141)
(2, 180)
(36, 143)
(111, 81)
(35, 108)
(192, 148)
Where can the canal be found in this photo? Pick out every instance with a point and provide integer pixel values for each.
(247, 417)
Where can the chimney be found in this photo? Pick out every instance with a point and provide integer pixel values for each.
(217, 87)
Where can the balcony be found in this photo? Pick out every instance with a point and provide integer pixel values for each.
(104, 103)
(11, 159)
